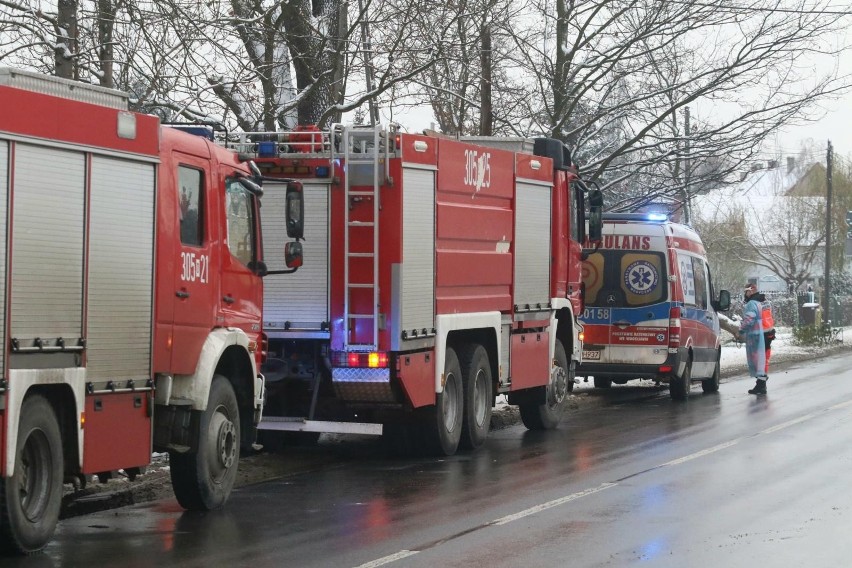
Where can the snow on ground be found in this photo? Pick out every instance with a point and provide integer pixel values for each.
(734, 355)
(783, 349)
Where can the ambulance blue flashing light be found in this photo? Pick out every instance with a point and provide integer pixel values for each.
(657, 217)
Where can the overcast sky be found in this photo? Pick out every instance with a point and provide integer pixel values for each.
(835, 123)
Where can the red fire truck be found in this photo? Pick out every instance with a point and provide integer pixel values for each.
(131, 298)
(440, 273)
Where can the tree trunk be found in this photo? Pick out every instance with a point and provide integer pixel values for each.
(106, 23)
(65, 52)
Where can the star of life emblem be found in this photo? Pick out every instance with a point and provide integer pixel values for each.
(641, 277)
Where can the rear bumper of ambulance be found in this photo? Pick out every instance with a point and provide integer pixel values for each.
(673, 365)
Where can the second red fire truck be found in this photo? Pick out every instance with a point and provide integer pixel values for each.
(439, 274)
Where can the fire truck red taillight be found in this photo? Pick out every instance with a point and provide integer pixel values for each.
(377, 360)
(372, 359)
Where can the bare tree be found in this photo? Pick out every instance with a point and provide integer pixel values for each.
(767, 224)
(614, 77)
(791, 238)
(460, 45)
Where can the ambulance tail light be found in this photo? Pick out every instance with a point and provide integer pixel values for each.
(370, 360)
(674, 328)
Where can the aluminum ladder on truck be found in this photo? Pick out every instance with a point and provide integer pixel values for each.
(363, 147)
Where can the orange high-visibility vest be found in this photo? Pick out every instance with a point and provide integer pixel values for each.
(766, 318)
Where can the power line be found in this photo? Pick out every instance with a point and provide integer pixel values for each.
(767, 10)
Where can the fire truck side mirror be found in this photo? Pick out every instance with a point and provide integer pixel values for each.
(293, 255)
(595, 215)
(295, 211)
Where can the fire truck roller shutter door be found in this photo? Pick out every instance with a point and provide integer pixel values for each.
(532, 245)
(4, 198)
(417, 287)
(47, 257)
(120, 258)
(300, 298)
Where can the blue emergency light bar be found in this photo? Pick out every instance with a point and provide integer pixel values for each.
(648, 217)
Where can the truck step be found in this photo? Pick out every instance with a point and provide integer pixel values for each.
(297, 424)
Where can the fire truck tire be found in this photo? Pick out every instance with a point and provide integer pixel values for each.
(202, 480)
(679, 386)
(31, 498)
(547, 416)
(712, 384)
(603, 382)
(443, 422)
(478, 396)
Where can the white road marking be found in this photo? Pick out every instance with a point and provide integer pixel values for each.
(574, 496)
(789, 423)
(388, 559)
(702, 453)
(550, 504)
(841, 405)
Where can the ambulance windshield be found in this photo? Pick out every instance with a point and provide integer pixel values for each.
(625, 278)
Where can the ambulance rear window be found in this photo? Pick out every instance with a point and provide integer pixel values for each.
(625, 278)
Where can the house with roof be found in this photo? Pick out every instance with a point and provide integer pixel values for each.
(768, 228)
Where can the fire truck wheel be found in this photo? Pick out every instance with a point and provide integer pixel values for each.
(546, 416)
(679, 386)
(712, 384)
(202, 480)
(478, 395)
(443, 422)
(603, 382)
(31, 498)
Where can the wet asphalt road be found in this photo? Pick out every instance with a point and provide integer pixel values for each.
(722, 480)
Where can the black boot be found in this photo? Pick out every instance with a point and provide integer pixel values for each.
(759, 387)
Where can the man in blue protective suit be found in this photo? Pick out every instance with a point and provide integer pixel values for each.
(751, 332)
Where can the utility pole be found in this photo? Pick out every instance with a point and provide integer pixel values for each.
(486, 119)
(829, 159)
(687, 169)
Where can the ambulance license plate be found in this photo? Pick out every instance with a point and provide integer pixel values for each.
(591, 355)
